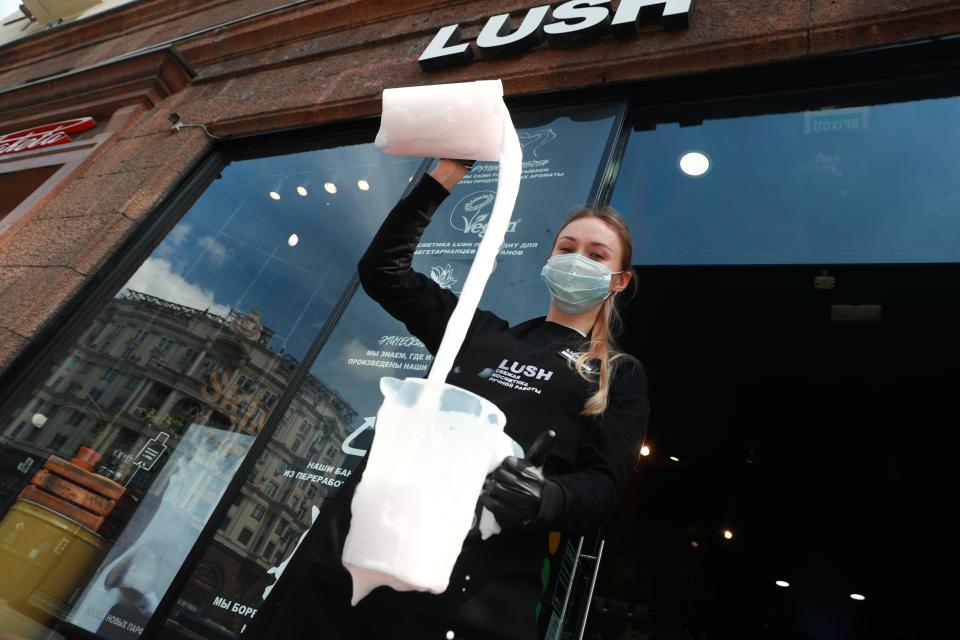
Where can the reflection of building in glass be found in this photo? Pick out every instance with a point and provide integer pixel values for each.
(265, 522)
(147, 367)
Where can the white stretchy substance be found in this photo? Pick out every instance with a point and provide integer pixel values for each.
(435, 443)
(415, 504)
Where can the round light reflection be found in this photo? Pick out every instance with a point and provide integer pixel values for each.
(293, 240)
(782, 583)
(644, 450)
(694, 163)
(329, 187)
(363, 185)
(274, 195)
(302, 190)
(728, 534)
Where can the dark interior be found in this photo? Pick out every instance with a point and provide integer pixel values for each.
(826, 447)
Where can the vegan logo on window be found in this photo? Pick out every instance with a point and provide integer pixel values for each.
(472, 213)
(43, 136)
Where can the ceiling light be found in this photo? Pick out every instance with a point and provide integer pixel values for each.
(675, 458)
(274, 195)
(38, 420)
(857, 596)
(644, 450)
(694, 544)
(363, 185)
(694, 163)
(782, 583)
(728, 534)
(293, 240)
(329, 187)
(302, 190)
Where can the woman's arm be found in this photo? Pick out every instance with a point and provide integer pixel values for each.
(584, 498)
(448, 173)
(385, 272)
(521, 497)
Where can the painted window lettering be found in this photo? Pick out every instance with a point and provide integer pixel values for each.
(569, 24)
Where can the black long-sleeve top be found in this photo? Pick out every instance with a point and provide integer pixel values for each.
(520, 369)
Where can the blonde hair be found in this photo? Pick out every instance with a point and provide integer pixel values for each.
(602, 346)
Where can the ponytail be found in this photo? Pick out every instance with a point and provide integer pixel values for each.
(603, 350)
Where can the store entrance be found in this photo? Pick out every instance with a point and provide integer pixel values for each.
(787, 448)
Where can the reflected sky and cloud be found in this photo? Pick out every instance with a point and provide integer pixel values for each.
(233, 251)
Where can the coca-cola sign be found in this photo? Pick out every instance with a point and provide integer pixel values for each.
(43, 136)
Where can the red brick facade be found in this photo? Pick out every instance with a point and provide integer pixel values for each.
(274, 65)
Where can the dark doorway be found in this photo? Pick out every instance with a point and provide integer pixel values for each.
(825, 447)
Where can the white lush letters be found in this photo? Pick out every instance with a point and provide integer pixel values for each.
(569, 24)
(495, 39)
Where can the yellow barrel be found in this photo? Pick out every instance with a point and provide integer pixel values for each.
(47, 559)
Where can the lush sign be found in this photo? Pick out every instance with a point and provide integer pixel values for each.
(568, 24)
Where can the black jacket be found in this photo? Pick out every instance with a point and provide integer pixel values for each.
(497, 583)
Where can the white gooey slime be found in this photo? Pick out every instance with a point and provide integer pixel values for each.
(434, 443)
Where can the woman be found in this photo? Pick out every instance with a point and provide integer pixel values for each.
(558, 373)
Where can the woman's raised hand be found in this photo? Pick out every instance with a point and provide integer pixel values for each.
(449, 172)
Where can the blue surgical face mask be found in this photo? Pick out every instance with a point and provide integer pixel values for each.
(576, 283)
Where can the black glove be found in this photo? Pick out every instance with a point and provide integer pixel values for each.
(518, 494)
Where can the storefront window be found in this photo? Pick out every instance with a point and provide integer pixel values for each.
(113, 465)
(854, 185)
(563, 150)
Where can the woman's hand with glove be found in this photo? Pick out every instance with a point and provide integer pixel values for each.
(518, 494)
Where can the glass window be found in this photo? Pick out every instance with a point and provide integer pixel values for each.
(563, 149)
(244, 280)
(797, 188)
